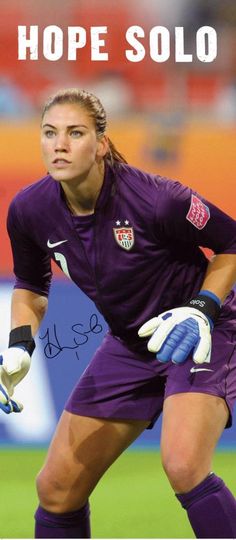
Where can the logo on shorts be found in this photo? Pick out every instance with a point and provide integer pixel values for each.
(195, 370)
(124, 236)
(198, 213)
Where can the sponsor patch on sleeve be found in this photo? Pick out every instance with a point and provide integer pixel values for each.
(198, 213)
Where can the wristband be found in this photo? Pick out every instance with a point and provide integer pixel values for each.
(208, 305)
(22, 336)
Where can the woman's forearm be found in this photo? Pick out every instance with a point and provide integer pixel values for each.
(27, 308)
(221, 275)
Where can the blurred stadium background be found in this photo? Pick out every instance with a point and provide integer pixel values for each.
(175, 119)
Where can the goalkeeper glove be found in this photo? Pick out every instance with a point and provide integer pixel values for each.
(14, 365)
(176, 332)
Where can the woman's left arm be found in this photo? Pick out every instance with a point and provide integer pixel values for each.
(221, 275)
(174, 334)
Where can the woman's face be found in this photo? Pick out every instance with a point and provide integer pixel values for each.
(70, 146)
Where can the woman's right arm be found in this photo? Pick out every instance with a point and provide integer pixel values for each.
(27, 308)
(27, 311)
(32, 269)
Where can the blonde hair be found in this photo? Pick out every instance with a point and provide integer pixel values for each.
(94, 107)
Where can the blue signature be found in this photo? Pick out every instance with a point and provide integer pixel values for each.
(53, 346)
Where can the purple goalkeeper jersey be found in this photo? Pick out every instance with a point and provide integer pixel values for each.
(143, 253)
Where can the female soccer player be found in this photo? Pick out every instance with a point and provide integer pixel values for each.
(130, 241)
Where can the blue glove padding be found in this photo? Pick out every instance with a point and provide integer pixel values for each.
(177, 332)
(10, 405)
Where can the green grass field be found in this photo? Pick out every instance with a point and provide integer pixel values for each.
(133, 500)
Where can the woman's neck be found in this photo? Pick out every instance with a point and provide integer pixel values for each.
(81, 197)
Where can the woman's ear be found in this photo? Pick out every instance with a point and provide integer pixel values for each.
(102, 146)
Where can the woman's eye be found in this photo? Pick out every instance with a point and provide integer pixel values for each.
(49, 133)
(76, 133)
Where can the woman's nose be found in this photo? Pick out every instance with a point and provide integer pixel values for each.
(61, 143)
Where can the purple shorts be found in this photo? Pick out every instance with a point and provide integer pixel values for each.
(122, 383)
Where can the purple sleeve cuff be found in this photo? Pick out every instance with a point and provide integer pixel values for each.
(42, 291)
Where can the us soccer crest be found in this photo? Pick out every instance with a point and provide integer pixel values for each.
(124, 237)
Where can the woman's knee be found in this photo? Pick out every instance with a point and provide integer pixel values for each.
(58, 494)
(184, 472)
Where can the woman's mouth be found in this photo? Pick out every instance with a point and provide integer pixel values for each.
(60, 162)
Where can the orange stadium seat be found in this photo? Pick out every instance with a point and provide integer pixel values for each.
(201, 87)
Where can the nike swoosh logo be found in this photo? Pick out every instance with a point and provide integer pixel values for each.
(55, 244)
(194, 370)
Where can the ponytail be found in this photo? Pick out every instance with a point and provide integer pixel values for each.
(113, 155)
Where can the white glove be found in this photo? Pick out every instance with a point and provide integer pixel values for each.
(175, 333)
(14, 364)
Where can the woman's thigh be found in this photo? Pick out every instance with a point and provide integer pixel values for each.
(82, 449)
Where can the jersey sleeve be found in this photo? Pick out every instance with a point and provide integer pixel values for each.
(185, 216)
(32, 266)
